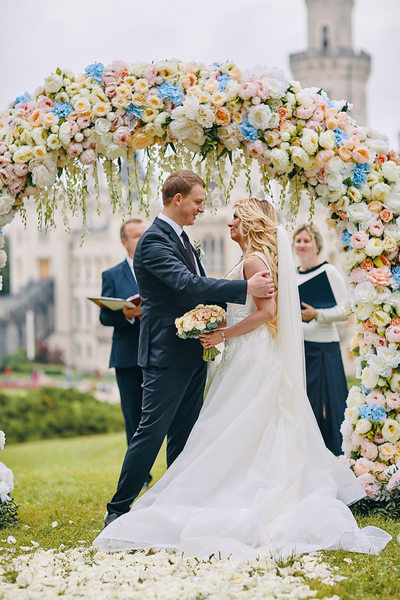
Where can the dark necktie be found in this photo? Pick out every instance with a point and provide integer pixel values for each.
(189, 249)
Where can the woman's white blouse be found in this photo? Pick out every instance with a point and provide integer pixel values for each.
(323, 328)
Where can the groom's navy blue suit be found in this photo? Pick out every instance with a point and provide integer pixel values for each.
(174, 372)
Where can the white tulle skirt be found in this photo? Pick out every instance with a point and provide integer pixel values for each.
(255, 477)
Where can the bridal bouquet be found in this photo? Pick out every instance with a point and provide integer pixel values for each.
(200, 320)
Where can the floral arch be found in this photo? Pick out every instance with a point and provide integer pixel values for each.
(225, 120)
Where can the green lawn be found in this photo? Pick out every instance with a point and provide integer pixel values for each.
(72, 479)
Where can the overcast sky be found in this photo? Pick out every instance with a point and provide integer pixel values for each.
(38, 36)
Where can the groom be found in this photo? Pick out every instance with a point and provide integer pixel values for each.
(172, 281)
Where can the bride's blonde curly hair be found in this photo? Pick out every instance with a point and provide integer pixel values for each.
(258, 225)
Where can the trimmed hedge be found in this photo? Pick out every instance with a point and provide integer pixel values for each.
(56, 413)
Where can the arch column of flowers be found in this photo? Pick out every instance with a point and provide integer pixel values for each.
(224, 120)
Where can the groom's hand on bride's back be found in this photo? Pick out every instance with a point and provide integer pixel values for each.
(261, 285)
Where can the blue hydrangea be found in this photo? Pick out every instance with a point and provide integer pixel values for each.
(223, 82)
(360, 174)
(216, 64)
(95, 71)
(346, 237)
(331, 104)
(24, 98)
(340, 136)
(373, 412)
(134, 111)
(62, 109)
(396, 275)
(170, 92)
(250, 133)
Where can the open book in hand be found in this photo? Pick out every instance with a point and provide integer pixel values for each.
(116, 303)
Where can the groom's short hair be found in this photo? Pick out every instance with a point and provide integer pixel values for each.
(180, 182)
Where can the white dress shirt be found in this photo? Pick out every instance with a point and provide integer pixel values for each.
(178, 230)
(129, 260)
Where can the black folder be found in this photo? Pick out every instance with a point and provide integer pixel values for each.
(317, 292)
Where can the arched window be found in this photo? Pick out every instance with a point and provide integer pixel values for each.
(325, 37)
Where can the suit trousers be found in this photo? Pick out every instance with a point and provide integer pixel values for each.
(171, 403)
(129, 380)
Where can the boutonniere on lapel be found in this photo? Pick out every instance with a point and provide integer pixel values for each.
(198, 250)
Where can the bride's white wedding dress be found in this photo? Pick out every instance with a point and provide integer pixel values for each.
(255, 477)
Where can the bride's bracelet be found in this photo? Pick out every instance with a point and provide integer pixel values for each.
(223, 336)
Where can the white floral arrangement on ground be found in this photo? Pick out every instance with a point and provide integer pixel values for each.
(81, 572)
(200, 320)
(8, 508)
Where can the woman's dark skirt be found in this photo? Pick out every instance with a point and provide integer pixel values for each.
(327, 390)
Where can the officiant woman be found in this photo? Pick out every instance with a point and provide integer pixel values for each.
(326, 381)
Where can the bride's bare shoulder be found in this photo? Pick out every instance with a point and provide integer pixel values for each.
(253, 264)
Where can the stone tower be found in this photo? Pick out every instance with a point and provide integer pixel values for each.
(330, 61)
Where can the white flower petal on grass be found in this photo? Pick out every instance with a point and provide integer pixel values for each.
(54, 524)
(11, 540)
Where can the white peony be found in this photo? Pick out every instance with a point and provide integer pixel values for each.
(392, 200)
(184, 129)
(300, 157)
(6, 203)
(327, 139)
(53, 141)
(351, 414)
(102, 126)
(334, 181)
(378, 365)
(374, 246)
(369, 378)
(359, 212)
(41, 176)
(231, 90)
(64, 133)
(280, 160)
(205, 116)
(380, 191)
(395, 382)
(309, 141)
(230, 135)
(355, 397)
(53, 83)
(363, 426)
(259, 116)
(23, 154)
(390, 171)
(391, 431)
(191, 107)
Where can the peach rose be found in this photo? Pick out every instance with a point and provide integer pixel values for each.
(386, 215)
(141, 140)
(324, 155)
(332, 123)
(395, 321)
(367, 265)
(344, 153)
(343, 120)
(360, 155)
(375, 206)
(282, 112)
(304, 111)
(45, 104)
(378, 468)
(222, 116)
(380, 159)
(235, 73)
(188, 80)
(369, 326)
(36, 118)
(361, 466)
(380, 276)
(392, 155)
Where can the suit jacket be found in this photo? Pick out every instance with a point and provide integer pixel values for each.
(119, 282)
(169, 287)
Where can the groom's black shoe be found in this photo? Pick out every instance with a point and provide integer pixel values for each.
(110, 517)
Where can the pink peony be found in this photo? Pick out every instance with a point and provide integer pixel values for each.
(370, 484)
(393, 400)
(118, 121)
(318, 115)
(83, 122)
(45, 104)
(304, 111)
(74, 149)
(122, 136)
(111, 90)
(376, 397)
(394, 481)
(3, 259)
(357, 275)
(150, 73)
(359, 239)
(343, 120)
(360, 155)
(16, 185)
(324, 155)
(247, 90)
(368, 450)
(88, 157)
(255, 148)
(312, 125)
(73, 128)
(21, 169)
(356, 439)
(380, 276)
(111, 79)
(262, 90)
(376, 228)
(392, 333)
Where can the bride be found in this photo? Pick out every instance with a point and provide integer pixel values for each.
(255, 477)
